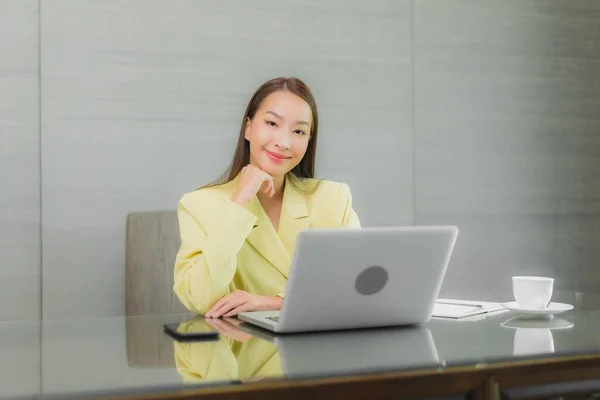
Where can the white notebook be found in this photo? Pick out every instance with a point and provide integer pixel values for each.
(450, 308)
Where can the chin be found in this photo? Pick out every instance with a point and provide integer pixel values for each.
(275, 170)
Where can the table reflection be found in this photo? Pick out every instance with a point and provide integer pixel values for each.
(235, 356)
(247, 353)
(534, 335)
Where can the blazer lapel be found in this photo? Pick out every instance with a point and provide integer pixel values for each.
(278, 247)
(265, 240)
(294, 216)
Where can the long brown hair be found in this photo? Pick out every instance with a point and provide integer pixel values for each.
(241, 158)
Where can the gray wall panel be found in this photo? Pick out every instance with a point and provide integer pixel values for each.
(507, 139)
(19, 161)
(20, 359)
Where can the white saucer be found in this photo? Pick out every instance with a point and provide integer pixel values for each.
(529, 323)
(553, 308)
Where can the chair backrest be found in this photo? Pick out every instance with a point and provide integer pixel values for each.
(152, 242)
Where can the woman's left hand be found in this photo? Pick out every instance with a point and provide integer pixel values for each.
(242, 301)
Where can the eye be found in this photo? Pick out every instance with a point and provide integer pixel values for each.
(299, 132)
(271, 123)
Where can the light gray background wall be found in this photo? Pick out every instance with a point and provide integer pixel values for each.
(507, 128)
(496, 132)
(19, 199)
(19, 161)
(20, 359)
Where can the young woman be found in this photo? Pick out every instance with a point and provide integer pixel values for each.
(238, 235)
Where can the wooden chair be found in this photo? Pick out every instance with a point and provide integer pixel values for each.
(151, 245)
(152, 242)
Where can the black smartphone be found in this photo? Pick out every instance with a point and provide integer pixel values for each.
(194, 330)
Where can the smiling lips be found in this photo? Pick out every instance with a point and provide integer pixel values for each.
(278, 158)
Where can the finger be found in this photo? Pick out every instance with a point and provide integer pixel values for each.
(217, 305)
(220, 326)
(227, 307)
(233, 321)
(229, 322)
(224, 300)
(229, 330)
(271, 186)
(230, 305)
(215, 323)
(224, 325)
(265, 187)
(224, 307)
(241, 308)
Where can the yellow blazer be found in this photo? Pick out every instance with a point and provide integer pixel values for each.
(227, 247)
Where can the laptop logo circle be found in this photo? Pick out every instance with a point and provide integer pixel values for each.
(371, 280)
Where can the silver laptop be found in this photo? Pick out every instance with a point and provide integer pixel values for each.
(361, 278)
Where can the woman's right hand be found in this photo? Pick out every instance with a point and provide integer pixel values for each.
(252, 180)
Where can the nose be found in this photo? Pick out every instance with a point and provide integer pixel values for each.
(282, 140)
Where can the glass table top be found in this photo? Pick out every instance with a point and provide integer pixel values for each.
(88, 357)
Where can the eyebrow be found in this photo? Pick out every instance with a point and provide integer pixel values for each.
(280, 117)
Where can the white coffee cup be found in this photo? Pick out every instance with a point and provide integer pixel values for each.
(532, 292)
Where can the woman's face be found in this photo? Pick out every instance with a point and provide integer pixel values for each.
(279, 133)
